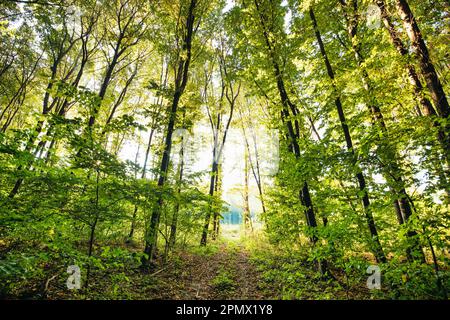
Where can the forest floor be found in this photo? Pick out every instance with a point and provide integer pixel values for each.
(225, 273)
(228, 269)
(215, 272)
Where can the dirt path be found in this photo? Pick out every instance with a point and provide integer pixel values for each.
(201, 273)
(225, 274)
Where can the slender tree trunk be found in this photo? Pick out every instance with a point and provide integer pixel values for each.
(15, 98)
(427, 67)
(375, 242)
(231, 96)
(173, 225)
(217, 192)
(292, 130)
(387, 155)
(40, 123)
(159, 104)
(180, 84)
(46, 107)
(105, 84)
(217, 152)
(121, 97)
(247, 219)
(427, 107)
(401, 49)
(93, 227)
(85, 55)
(254, 167)
(144, 170)
(212, 183)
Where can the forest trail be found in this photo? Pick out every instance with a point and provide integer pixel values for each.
(226, 273)
(127, 124)
(222, 270)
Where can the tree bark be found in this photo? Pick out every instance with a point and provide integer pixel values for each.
(180, 84)
(231, 96)
(46, 108)
(173, 225)
(427, 107)
(213, 179)
(217, 210)
(247, 219)
(254, 167)
(387, 155)
(292, 130)
(426, 65)
(375, 242)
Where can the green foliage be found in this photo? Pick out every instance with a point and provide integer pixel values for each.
(80, 91)
(223, 281)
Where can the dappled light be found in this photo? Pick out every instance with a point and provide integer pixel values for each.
(232, 149)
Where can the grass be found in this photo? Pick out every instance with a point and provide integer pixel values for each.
(205, 251)
(224, 281)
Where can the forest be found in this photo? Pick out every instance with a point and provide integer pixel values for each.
(224, 149)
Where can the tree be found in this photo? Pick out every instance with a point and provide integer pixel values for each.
(387, 153)
(229, 90)
(187, 14)
(376, 245)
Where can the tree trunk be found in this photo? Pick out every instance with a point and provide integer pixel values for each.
(375, 242)
(426, 65)
(401, 49)
(144, 171)
(231, 96)
(120, 99)
(247, 219)
(254, 167)
(304, 195)
(173, 225)
(214, 173)
(40, 123)
(427, 107)
(217, 210)
(387, 155)
(180, 84)
(93, 227)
